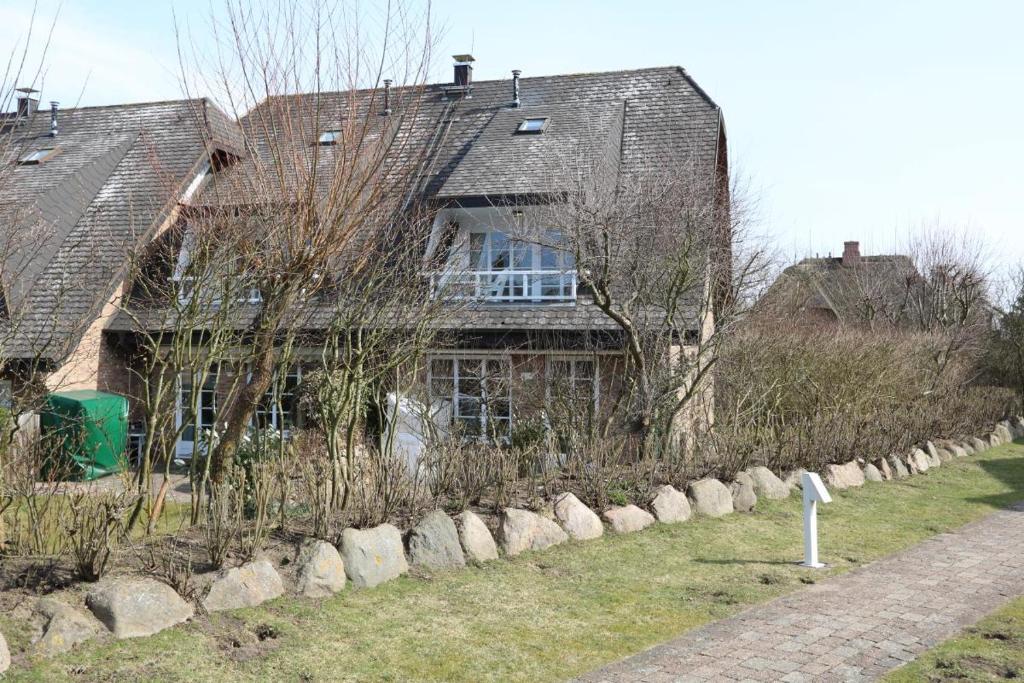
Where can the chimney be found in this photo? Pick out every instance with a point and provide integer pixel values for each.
(515, 87)
(851, 253)
(53, 118)
(27, 105)
(463, 69)
(387, 97)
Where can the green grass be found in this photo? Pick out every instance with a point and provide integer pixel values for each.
(993, 650)
(550, 615)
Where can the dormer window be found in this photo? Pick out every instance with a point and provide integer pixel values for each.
(38, 156)
(330, 137)
(534, 125)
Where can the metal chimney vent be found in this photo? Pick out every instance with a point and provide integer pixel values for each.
(54, 106)
(515, 87)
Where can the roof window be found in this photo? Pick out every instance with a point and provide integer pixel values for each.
(535, 125)
(330, 137)
(38, 156)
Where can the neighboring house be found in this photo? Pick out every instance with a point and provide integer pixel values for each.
(492, 149)
(80, 190)
(853, 289)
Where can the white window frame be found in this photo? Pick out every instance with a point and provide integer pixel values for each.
(549, 374)
(485, 400)
(275, 415)
(185, 448)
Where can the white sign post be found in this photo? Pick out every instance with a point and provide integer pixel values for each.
(814, 492)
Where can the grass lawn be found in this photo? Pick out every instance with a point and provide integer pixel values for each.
(991, 651)
(550, 615)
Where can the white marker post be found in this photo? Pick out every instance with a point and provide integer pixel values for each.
(814, 492)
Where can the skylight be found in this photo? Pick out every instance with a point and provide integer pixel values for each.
(38, 156)
(330, 137)
(536, 125)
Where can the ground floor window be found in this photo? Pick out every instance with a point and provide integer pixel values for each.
(478, 391)
(279, 407)
(197, 407)
(572, 379)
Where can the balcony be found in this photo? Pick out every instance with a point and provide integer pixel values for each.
(507, 286)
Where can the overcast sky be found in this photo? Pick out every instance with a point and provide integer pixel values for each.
(850, 120)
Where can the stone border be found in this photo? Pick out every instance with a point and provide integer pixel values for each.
(132, 606)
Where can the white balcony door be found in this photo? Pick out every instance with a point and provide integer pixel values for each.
(196, 412)
(514, 270)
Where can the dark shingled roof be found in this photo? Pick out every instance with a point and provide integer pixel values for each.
(115, 179)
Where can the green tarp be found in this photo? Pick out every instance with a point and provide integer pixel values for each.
(85, 433)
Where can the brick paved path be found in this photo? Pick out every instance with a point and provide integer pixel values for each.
(853, 627)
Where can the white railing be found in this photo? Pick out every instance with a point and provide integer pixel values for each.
(511, 286)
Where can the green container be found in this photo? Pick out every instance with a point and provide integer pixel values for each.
(87, 432)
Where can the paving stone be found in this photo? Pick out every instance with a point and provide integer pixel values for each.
(919, 598)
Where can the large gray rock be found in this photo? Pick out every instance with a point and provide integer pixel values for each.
(994, 440)
(1005, 434)
(250, 585)
(670, 506)
(522, 530)
(373, 556)
(476, 539)
(958, 450)
(871, 473)
(320, 571)
(64, 627)
(743, 497)
(709, 497)
(579, 521)
(844, 476)
(979, 445)
(627, 519)
(934, 459)
(5, 655)
(945, 454)
(968, 448)
(132, 607)
(899, 469)
(767, 485)
(918, 461)
(434, 543)
(882, 465)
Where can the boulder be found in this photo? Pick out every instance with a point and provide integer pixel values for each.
(979, 445)
(945, 454)
(882, 465)
(968, 448)
(373, 556)
(524, 530)
(434, 543)
(871, 473)
(795, 479)
(247, 586)
(899, 470)
(5, 655)
(627, 519)
(918, 461)
(320, 571)
(844, 476)
(709, 497)
(64, 627)
(994, 440)
(579, 521)
(1005, 434)
(131, 607)
(477, 542)
(958, 451)
(743, 497)
(670, 506)
(767, 485)
(933, 454)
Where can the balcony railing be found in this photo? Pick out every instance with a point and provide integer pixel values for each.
(507, 286)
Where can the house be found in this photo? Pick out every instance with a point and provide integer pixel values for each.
(852, 289)
(488, 153)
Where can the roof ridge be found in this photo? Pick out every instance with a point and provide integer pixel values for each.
(123, 105)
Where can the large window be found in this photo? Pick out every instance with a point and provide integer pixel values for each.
(502, 268)
(197, 408)
(478, 390)
(572, 380)
(279, 409)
